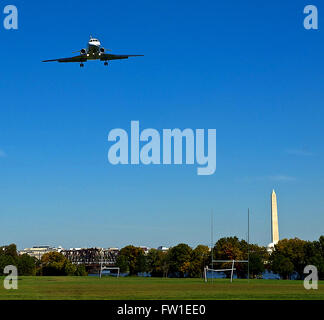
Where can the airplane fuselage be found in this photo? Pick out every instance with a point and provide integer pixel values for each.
(93, 50)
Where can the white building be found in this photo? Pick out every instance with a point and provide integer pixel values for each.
(162, 248)
(38, 251)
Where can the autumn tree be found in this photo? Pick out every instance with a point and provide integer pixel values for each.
(200, 258)
(230, 248)
(56, 264)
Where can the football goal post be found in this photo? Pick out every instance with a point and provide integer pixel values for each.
(206, 270)
(232, 269)
(109, 268)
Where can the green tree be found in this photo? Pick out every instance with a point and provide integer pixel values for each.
(69, 268)
(321, 248)
(8, 256)
(122, 263)
(157, 263)
(258, 257)
(282, 265)
(256, 264)
(179, 259)
(313, 256)
(80, 270)
(11, 250)
(294, 251)
(321, 245)
(154, 262)
(26, 265)
(141, 262)
(134, 258)
(6, 261)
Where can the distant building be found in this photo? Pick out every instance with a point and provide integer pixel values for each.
(38, 251)
(91, 256)
(162, 248)
(145, 249)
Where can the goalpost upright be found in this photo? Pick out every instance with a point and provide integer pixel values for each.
(206, 269)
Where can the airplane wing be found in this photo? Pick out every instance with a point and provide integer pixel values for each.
(109, 56)
(79, 58)
(103, 57)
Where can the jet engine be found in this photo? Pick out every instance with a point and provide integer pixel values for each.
(102, 50)
(83, 51)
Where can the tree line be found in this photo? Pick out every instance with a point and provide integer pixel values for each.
(51, 263)
(288, 256)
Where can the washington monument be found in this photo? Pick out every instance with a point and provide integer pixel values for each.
(274, 219)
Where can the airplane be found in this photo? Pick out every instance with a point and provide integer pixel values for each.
(94, 52)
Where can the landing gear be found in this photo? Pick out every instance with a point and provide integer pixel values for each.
(106, 63)
(81, 65)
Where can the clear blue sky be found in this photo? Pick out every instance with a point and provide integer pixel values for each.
(247, 69)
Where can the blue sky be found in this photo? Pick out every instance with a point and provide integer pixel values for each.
(251, 71)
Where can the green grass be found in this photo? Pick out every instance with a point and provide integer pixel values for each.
(77, 288)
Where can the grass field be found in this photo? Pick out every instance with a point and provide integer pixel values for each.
(77, 288)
